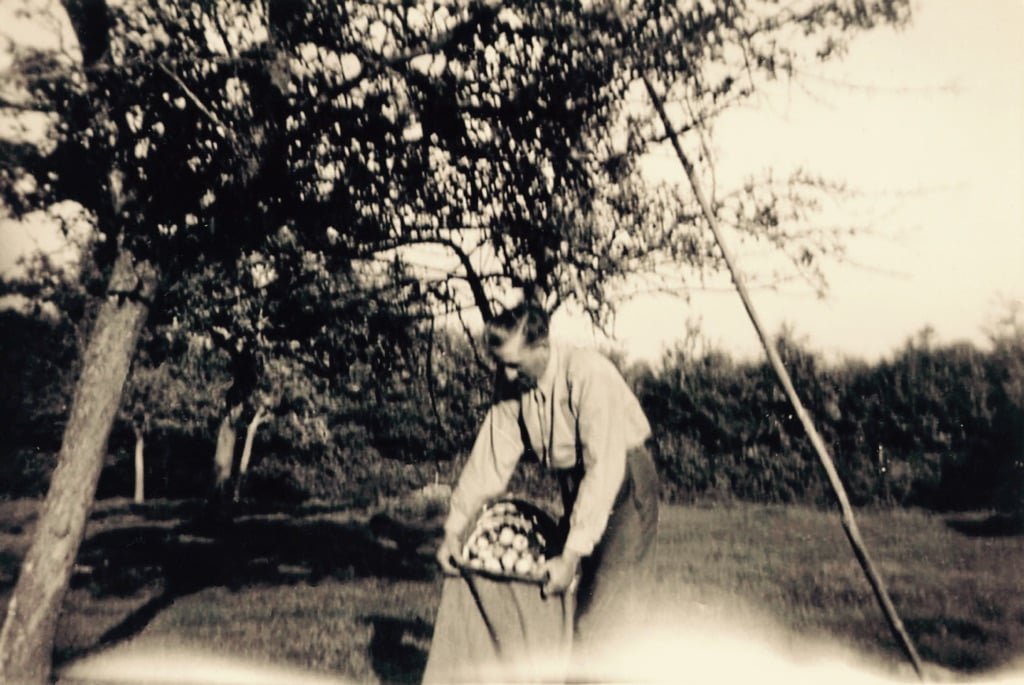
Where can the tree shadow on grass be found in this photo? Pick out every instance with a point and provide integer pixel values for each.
(994, 525)
(253, 551)
(150, 510)
(396, 657)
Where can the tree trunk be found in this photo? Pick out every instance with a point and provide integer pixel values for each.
(140, 479)
(250, 435)
(224, 456)
(27, 637)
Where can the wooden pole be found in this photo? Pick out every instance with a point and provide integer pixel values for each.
(848, 520)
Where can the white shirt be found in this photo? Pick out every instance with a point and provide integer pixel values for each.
(581, 407)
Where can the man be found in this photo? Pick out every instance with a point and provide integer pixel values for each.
(573, 409)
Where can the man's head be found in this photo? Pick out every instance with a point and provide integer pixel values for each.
(518, 340)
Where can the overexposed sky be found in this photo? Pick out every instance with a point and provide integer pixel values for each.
(927, 124)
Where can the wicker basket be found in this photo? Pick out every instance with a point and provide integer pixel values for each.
(509, 539)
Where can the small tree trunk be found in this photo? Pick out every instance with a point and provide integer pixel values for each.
(27, 637)
(223, 461)
(250, 435)
(140, 479)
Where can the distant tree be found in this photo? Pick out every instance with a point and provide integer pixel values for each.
(1006, 377)
(146, 384)
(176, 381)
(37, 359)
(258, 418)
(46, 315)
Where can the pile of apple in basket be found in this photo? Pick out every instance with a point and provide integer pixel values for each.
(510, 540)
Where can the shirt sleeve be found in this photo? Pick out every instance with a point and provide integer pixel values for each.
(603, 408)
(490, 465)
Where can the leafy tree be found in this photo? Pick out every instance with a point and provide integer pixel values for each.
(46, 312)
(1006, 382)
(143, 392)
(38, 360)
(171, 400)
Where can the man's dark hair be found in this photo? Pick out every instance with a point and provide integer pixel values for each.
(531, 316)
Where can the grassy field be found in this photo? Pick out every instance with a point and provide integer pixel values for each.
(354, 594)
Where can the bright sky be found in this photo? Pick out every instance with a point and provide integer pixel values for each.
(930, 126)
(928, 123)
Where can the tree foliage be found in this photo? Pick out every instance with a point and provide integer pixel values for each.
(929, 427)
(506, 138)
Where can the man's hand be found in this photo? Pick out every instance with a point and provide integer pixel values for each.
(446, 555)
(560, 574)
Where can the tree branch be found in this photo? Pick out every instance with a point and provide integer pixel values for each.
(41, 107)
(224, 131)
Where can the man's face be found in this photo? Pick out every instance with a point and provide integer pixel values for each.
(521, 363)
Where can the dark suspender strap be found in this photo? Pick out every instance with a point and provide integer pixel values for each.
(528, 450)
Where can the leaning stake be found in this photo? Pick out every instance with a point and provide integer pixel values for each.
(849, 522)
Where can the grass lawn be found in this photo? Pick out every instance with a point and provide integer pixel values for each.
(354, 595)
(955, 582)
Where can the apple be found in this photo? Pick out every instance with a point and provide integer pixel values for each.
(524, 566)
(506, 536)
(509, 559)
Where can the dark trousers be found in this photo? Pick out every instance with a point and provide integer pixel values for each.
(617, 578)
